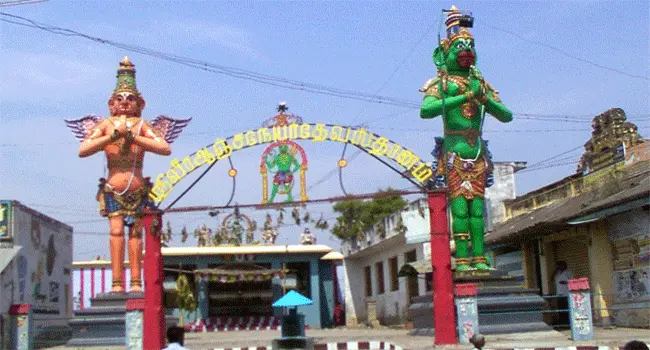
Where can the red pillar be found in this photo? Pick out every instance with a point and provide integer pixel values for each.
(103, 280)
(92, 282)
(81, 289)
(444, 313)
(154, 317)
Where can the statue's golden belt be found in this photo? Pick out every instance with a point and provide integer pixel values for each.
(470, 135)
(129, 201)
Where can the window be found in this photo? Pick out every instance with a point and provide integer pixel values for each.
(394, 281)
(380, 277)
(410, 256)
(368, 281)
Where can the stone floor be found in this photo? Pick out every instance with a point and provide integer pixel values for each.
(614, 337)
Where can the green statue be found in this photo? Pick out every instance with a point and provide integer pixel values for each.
(283, 179)
(462, 162)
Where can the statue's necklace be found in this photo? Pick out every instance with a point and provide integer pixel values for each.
(468, 109)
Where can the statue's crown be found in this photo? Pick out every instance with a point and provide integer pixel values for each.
(454, 30)
(126, 78)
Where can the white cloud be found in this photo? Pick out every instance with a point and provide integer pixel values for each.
(52, 75)
(197, 32)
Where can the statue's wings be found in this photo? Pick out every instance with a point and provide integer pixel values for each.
(81, 128)
(168, 127)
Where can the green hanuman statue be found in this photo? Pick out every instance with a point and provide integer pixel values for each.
(462, 162)
(283, 179)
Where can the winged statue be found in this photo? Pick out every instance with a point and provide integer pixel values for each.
(123, 197)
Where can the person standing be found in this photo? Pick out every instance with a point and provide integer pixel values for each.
(175, 338)
(561, 278)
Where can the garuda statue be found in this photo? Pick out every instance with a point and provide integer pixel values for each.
(124, 194)
(462, 162)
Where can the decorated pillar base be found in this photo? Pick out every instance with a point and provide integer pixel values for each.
(581, 319)
(22, 337)
(134, 324)
(467, 311)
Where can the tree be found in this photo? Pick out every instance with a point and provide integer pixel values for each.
(357, 216)
(184, 297)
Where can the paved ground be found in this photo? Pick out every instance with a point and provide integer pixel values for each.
(604, 337)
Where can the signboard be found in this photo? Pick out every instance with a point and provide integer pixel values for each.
(372, 143)
(581, 317)
(604, 159)
(5, 222)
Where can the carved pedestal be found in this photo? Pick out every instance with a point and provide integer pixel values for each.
(134, 324)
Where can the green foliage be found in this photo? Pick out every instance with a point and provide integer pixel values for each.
(185, 297)
(356, 216)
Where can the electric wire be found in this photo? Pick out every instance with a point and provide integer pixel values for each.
(564, 53)
(20, 2)
(230, 71)
(236, 72)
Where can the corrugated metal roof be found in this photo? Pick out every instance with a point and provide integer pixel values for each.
(7, 255)
(556, 215)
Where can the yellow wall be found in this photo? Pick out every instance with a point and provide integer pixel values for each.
(528, 261)
(600, 264)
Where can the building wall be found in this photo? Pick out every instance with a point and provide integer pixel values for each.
(43, 267)
(7, 293)
(601, 285)
(502, 189)
(392, 306)
(629, 234)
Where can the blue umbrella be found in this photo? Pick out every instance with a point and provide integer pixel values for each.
(293, 298)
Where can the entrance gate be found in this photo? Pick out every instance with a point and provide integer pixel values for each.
(283, 131)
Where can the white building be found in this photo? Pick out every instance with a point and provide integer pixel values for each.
(35, 265)
(371, 264)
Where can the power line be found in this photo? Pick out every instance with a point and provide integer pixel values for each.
(236, 72)
(230, 71)
(553, 157)
(20, 2)
(546, 167)
(564, 53)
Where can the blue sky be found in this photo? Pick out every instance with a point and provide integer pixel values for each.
(370, 47)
